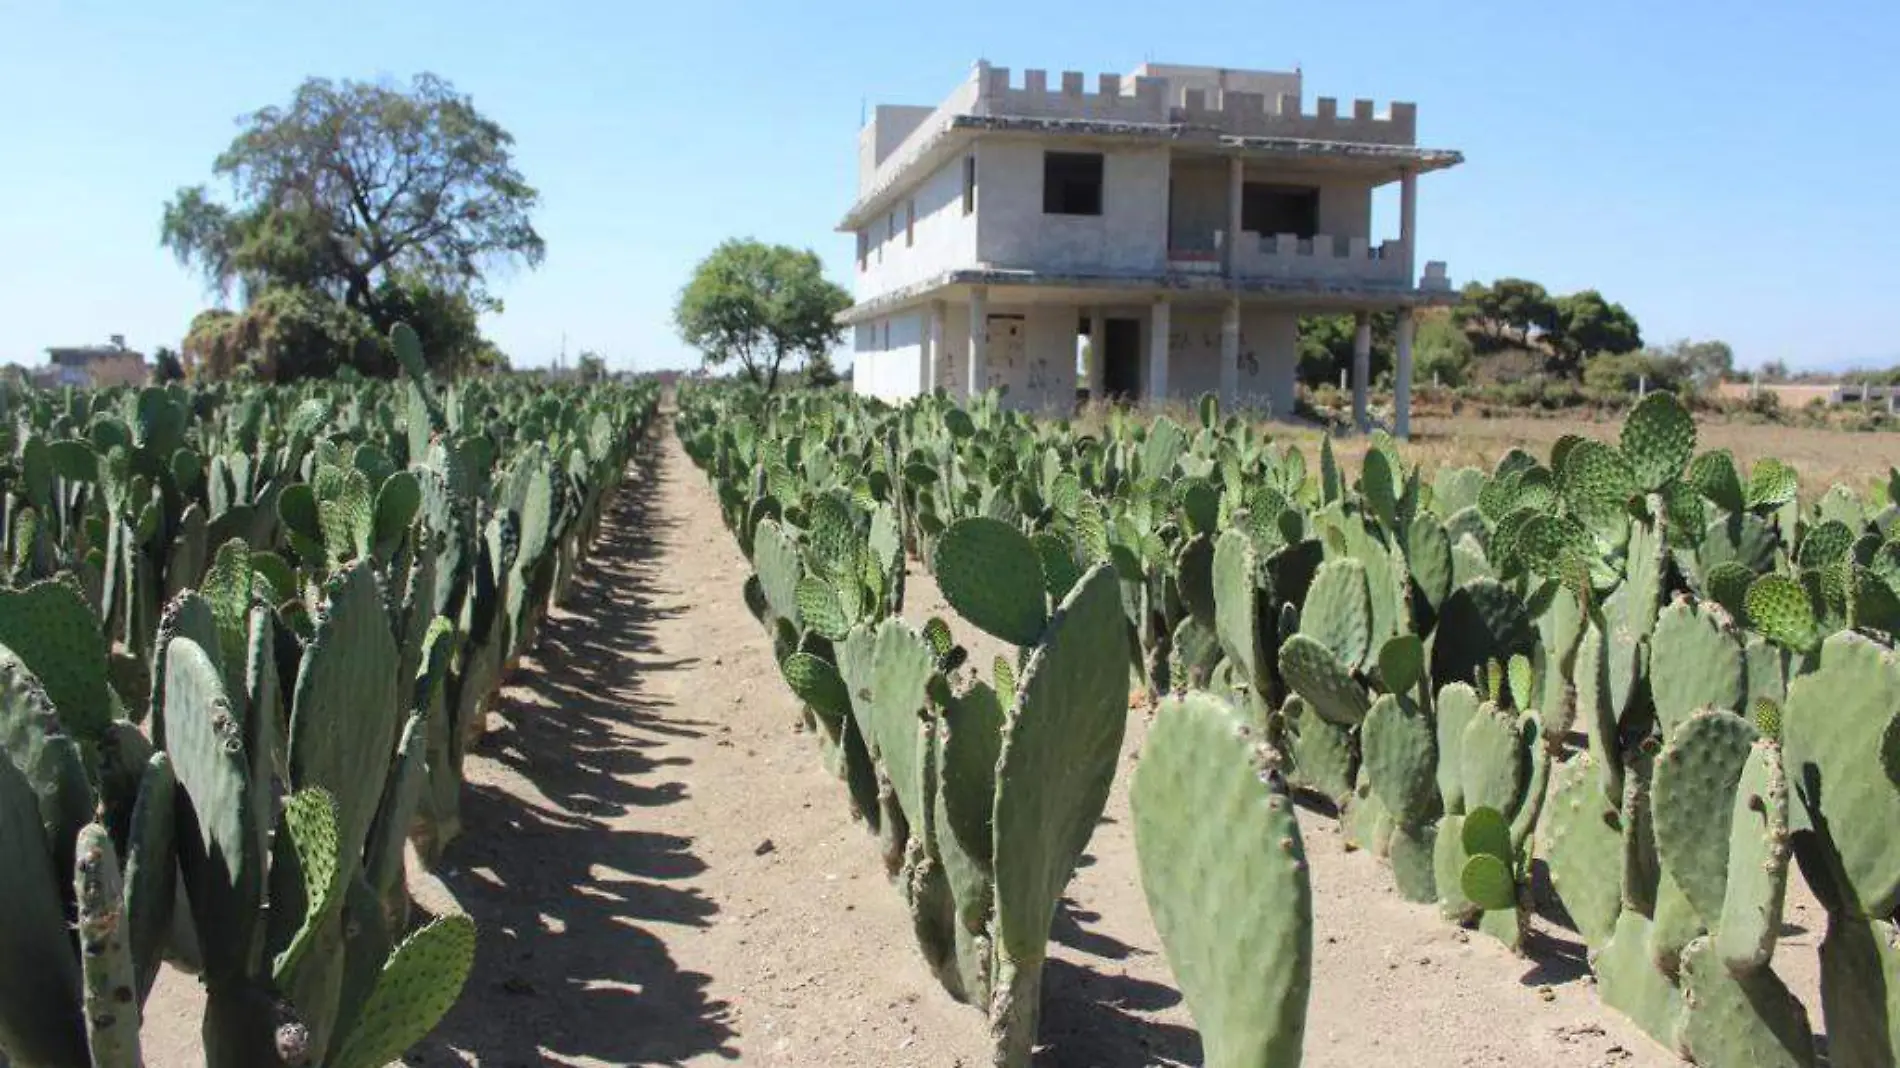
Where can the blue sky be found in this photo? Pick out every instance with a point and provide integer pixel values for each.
(1725, 170)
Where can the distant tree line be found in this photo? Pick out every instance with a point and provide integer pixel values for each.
(358, 206)
(1513, 330)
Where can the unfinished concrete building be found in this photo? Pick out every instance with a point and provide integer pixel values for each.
(1171, 226)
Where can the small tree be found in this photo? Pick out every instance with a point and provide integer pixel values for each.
(760, 304)
(1582, 324)
(592, 367)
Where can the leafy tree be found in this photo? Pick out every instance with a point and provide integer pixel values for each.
(1325, 347)
(759, 305)
(354, 183)
(166, 367)
(592, 367)
(1706, 363)
(448, 323)
(1504, 313)
(819, 372)
(1440, 352)
(1583, 324)
(1774, 371)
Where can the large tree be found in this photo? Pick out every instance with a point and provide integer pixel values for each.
(1583, 324)
(356, 183)
(759, 305)
(1507, 312)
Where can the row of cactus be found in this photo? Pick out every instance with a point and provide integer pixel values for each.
(247, 635)
(1612, 661)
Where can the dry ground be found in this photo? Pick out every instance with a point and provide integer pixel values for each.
(663, 874)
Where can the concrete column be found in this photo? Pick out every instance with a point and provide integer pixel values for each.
(1408, 224)
(1160, 322)
(1230, 245)
(1230, 354)
(979, 369)
(1098, 359)
(1361, 371)
(933, 348)
(1402, 376)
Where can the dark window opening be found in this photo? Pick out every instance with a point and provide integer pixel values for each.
(1072, 183)
(969, 184)
(1279, 209)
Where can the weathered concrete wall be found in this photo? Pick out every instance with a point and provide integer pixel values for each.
(1269, 354)
(1198, 204)
(1130, 234)
(944, 237)
(886, 355)
(1345, 209)
(890, 126)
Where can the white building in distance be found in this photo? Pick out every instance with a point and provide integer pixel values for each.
(1181, 219)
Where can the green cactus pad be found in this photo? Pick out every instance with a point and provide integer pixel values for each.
(1337, 611)
(1448, 867)
(1412, 854)
(151, 872)
(1771, 484)
(1481, 621)
(1780, 609)
(1758, 847)
(1860, 990)
(1713, 474)
(1832, 730)
(1696, 662)
(1457, 704)
(415, 989)
(52, 629)
(818, 684)
(1750, 1020)
(1428, 556)
(40, 1019)
(886, 671)
(397, 502)
(1060, 750)
(1313, 672)
(1060, 572)
(821, 609)
(1401, 760)
(972, 732)
(775, 558)
(346, 704)
(1629, 981)
(1491, 754)
(991, 574)
(112, 1020)
(1323, 758)
(1692, 801)
(1674, 924)
(1658, 439)
(1727, 585)
(1596, 482)
(35, 741)
(1487, 882)
(1245, 975)
(1582, 842)
(1401, 663)
(1236, 600)
(310, 819)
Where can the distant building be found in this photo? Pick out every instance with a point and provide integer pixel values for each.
(93, 366)
(1181, 219)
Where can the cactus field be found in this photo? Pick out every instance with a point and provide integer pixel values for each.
(248, 636)
(1634, 692)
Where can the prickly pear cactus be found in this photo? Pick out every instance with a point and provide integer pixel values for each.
(1832, 732)
(1750, 923)
(1750, 1019)
(1246, 975)
(1058, 761)
(40, 1020)
(112, 1017)
(412, 993)
(1693, 801)
(1696, 662)
(991, 574)
(1583, 845)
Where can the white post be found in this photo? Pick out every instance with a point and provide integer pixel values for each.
(1236, 183)
(979, 342)
(1402, 378)
(1361, 371)
(1098, 359)
(933, 348)
(1159, 325)
(1230, 354)
(1408, 225)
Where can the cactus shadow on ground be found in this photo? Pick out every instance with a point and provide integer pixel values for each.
(563, 894)
(1088, 1019)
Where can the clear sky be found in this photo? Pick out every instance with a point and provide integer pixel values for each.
(1726, 169)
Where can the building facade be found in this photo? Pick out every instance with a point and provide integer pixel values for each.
(1166, 231)
(93, 366)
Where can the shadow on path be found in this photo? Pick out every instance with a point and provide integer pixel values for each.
(554, 865)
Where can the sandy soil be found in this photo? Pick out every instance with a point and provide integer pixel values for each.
(663, 874)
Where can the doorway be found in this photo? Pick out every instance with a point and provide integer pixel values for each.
(1121, 359)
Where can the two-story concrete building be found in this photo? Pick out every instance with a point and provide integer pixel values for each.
(1182, 220)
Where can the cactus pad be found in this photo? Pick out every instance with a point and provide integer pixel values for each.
(1692, 801)
(1401, 760)
(1321, 752)
(1245, 975)
(1491, 753)
(112, 1018)
(1780, 609)
(1630, 982)
(1751, 1020)
(1658, 439)
(1481, 621)
(1313, 672)
(39, 974)
(972, 732)
(1582, 841)
(1696, 662)
(1832, 731)
(50, 627)
(1236, 611)
(1860, 990)
(818, 684)
(1337, 611)
(991, 574)
(886, 670)
(1757, 863)
(414, 990)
